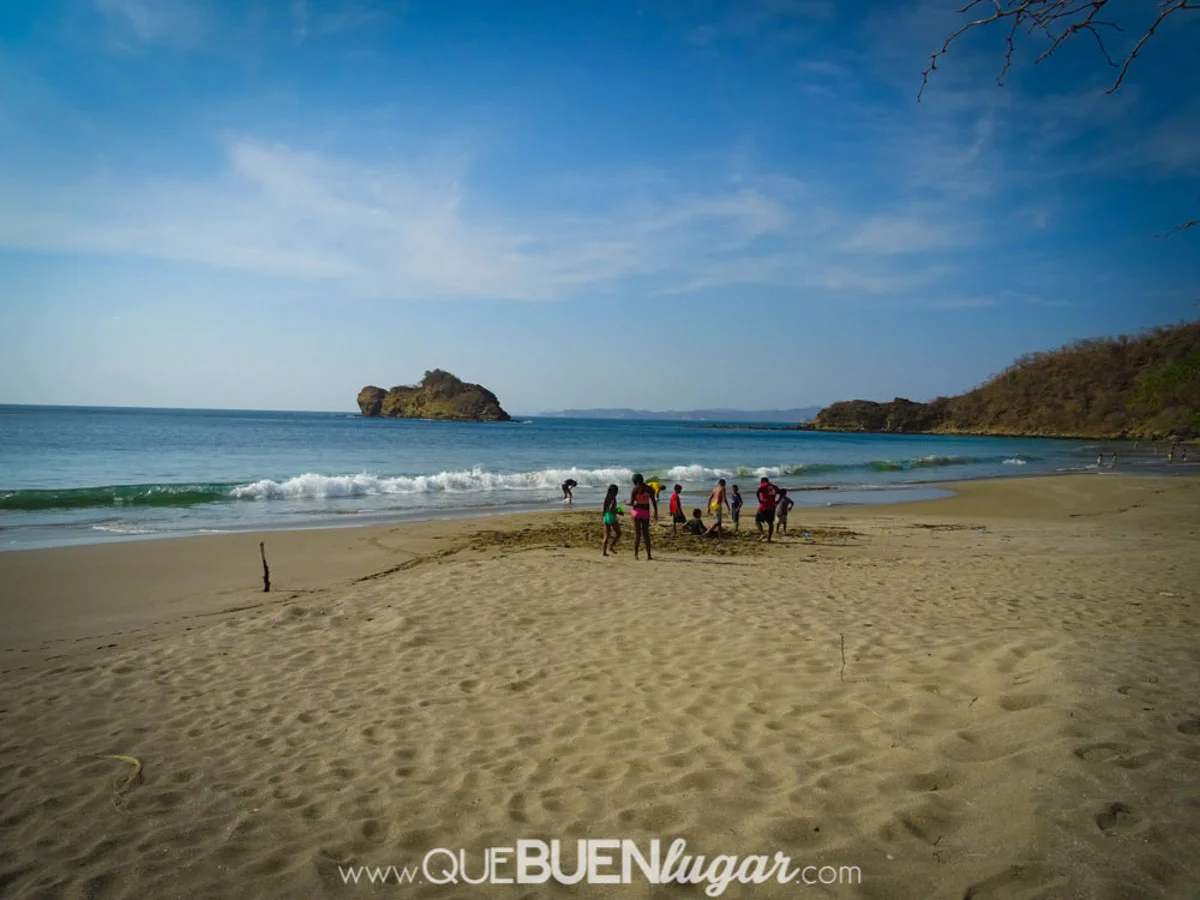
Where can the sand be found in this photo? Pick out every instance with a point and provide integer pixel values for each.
(995, 695)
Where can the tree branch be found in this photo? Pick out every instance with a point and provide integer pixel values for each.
(1167, 9)
(1184, 227)
(1059, 20)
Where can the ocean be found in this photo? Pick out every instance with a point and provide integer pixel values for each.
(72, 475)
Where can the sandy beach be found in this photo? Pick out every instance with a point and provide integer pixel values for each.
(995, 695)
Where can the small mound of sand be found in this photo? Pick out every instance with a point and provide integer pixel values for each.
(583, 529)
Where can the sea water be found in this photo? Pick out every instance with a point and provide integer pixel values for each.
(83, 474)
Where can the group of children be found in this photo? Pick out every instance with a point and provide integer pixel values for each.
(771, 516)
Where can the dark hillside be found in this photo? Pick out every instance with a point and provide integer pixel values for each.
(1146, 386)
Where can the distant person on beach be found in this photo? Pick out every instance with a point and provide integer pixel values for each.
(612, 525)
(735, 507)
(695, 525)
(717, 504)
(567, 487)
(640, 500)
(766, 494)
(676, 509)
(783, 503)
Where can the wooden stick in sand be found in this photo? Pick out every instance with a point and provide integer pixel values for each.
(262, 549)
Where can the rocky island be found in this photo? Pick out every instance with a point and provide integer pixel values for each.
(1147, 386)
(440, 395)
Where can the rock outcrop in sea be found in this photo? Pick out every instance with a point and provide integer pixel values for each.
(440, 395)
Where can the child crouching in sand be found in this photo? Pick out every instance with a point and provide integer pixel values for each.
(612, 525)
(695, 525)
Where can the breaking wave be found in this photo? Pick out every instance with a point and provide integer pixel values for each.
(115, 496)
(313, 486)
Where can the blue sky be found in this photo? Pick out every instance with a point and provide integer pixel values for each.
(264, 204)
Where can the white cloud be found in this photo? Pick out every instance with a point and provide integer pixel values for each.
(886, 236)
(419, 230)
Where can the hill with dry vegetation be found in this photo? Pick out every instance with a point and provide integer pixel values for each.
(1146, 386)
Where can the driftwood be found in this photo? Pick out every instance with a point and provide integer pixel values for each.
(262, 549)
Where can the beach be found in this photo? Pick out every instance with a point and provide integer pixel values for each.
(992, 695)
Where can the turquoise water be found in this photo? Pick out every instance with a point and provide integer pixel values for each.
(76, 475)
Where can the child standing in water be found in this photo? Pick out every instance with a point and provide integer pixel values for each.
(612, 526)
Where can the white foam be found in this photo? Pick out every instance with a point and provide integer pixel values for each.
(1015, 461)
(124, 528)
(694, 473)
(315, 487)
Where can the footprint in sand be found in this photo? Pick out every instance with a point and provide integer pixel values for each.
(1018, 702)
(1016, 883)
(1118, 754)
(1190, 726)
(1107, 752)
(1120, 819)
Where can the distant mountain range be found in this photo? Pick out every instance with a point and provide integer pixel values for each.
(802, 414)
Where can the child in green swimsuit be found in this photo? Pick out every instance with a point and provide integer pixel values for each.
(612, 527)
(695, 525)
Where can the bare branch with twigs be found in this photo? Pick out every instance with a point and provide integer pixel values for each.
(1184, 227)
(1059, 21)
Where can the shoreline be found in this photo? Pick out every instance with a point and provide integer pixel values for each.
(871, 496)
(371, 519)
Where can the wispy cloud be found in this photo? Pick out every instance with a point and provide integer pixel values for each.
(824, 67)
(966, 303)
(883, 235)
(418, 229)
(195, 25)
(1173, 145)
(156, 21)
(350, 15)
(777, 21)
(300, 20)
